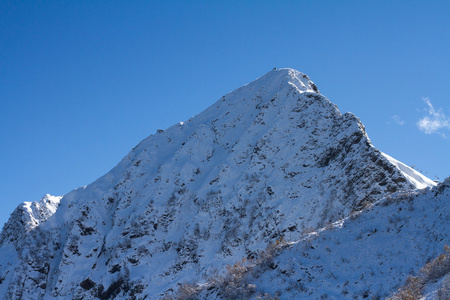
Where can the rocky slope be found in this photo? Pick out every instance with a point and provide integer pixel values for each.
(366, 255)
(269, 159)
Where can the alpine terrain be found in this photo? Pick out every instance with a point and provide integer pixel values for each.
(269, 192)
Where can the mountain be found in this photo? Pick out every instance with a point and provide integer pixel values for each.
(270, 160)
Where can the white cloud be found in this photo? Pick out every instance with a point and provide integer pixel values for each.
(434, 121)
(398, 120)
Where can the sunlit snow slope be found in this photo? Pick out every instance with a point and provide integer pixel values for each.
(366, 256)
(412, 175)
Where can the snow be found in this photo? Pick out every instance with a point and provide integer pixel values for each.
(270, 159)
(438, 289)
(419, 180)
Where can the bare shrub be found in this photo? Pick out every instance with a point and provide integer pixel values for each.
(186, 291)
(329, 225)
(438, 267)
(411, 290)
(354, 215)
(402, 196)
(308, 230)
(214, 278)
(265, 257)
(234, 283)
(432, 271)
(366, 205)
(266, 296)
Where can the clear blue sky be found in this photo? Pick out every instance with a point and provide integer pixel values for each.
(82, 82)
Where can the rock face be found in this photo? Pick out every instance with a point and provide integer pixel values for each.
(269, 159)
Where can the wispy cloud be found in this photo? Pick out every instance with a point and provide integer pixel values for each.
(397, 120)
(434, 121)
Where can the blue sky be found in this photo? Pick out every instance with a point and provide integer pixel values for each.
(82, 82)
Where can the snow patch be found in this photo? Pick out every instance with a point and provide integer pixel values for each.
(38, 211)
(417, 179)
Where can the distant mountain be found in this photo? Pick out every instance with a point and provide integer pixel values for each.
(273, 159)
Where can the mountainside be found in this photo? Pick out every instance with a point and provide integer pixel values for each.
(268, 160)
(366, 255)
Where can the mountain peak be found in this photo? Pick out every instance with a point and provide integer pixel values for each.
(298, 79)
(279, 79)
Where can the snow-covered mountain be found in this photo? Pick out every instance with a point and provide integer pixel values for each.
(271, 159)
